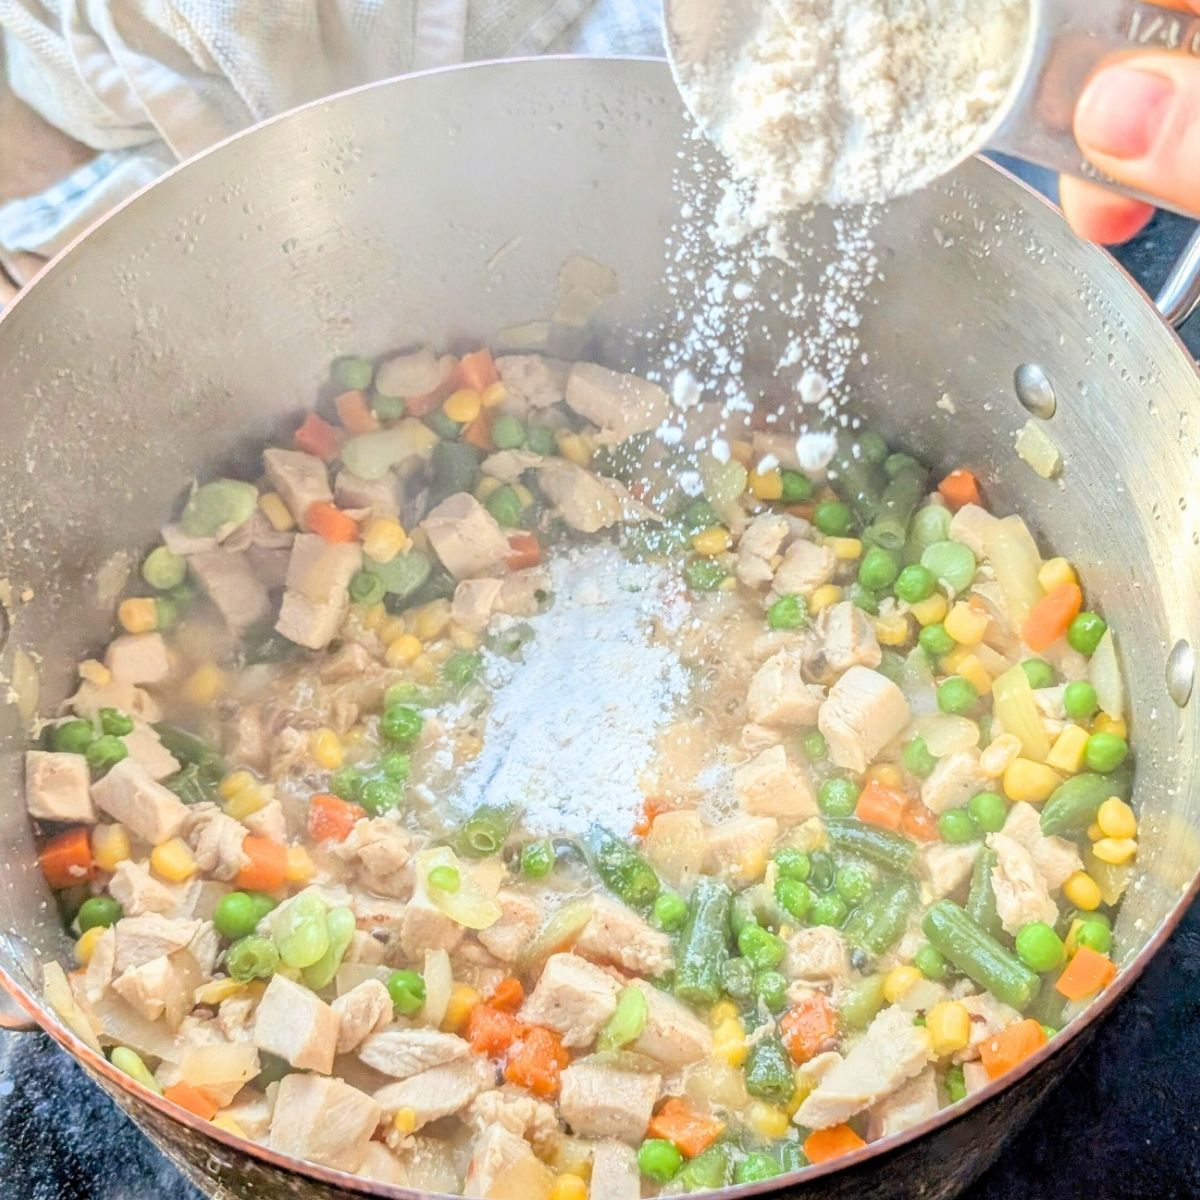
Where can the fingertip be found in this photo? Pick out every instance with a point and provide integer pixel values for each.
(1100, 216)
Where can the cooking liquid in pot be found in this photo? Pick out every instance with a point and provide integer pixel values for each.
(829, 831)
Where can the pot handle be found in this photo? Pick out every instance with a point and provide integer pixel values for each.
(1179, 296)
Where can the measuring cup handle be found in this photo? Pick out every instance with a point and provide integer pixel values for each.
(1069, 41)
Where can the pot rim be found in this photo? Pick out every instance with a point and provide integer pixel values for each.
(97, 1064)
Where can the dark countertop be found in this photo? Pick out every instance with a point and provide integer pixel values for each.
(1125, 1121)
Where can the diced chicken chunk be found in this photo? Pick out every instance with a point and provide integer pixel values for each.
(737, 849)
(138, 659)
(140, 939)
(892, 1051)
(532, 380)
(300, 479)
(231, 584)
(425, 927)
(618, 935)
(759, 546)
(269, 822)
(1021, 893)
(466, 537)
(518, 1112)
(944, 868)
(90, 698)
(147, 809)
(779, 696)
(619, 405)
(438, 1092)
(252, 1112)
(988, 1017)
(572, 997)
(973, 526)
(138, 892)
(99, 974)
(1056, 858)
(57, 787)
(403, 1053)
(673, 1035)
(588, 502)
(607, 1102)
(145, 746)
(770, 786)
(317, 599)
(154, 989)
(296, 1025)
(863, 712)
(365, 1009)
(307, 624)
(323, 1120)
(474, 602)
(817, 955)
(975, 1077)
(519, 921)
(382, 848)
(378, 496)
(953, 782)
(805, 567)
(217, 842)
(504, 1166)
(847, 640)
(509, 465)
(909, 1105)
(615, 1172)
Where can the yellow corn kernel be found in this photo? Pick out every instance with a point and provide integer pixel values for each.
(249, 800)
(574, 449)
(138, 615)
(228, 1124)
(299, 865)
(430, 620)
(571, 1156)
(276, 512)
(390, 628)
(893, 630)
(766, 485)
(463, 406)
(1094, 832)
(425, 669)
(568, 1187)
(458, 1007)
(463, 639)
(95, 672)
(752, 865)
(1115, 851)
(931, 611)
(497, 393)
(1003, 751)
(326, 749)
(1114, 725)
(404, 650)
(823, 597)
(729, 1042)
(723, 1010)
(767, 1120)
(974, 672)
(1116, 818)
(173, 860)
(235, 782)
(1066, 754)
(110, 846)
(405, 1120)
(966, 625)
(805, 1084)
(86, 946)
(523, 494)
(886, 775)
(383, 539)
(204, 684)
(371, 616)
(1030, 781)
(217, 991)
(898, 981)
(1083, 891)
(949, 1026)
(487, 485)
(845, 548)
(1055, 572)
(711, 542)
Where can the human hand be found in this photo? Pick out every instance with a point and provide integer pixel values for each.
(1138, 121)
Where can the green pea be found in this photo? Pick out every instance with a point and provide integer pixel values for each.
(957, 696)
(659, 1159)
(931, 962)
(98, 912)
(829, 909)
(1104, 752)
(507, 432)
(166, 612)
(1085, 632)
(989, 811)
(915, 583)
(404, 692)
(794, 897)
(389, 408)
(347, 784)
(251, 957)
(704, 574)
(864, 598)
(797, 488)
(1079, 700)
(1039, 673)
(407, 990)
(917, 759)
(935, 641)
(788, 612)
(956, 1084)
(833, 518)
(952, 563)
(72, 737)
(737, 978)
(699, 516)
(115, 723)
(1094, 933)
(366, 588)
(957, 826)
(215, 505)
(537, 860)
(395, 765)
(105, 752)
(461, 668)
(443, 426)
(353, 373)
(163, 569)
(854, 883)
(755, 1167)
(540, 440)
(771, 988)
(1040, 948)
(878, 569)
(669, 912)
(381, 796)
(837, 796)
(238, 913)
(761, 948)
(793, 864)
(505, 505)
(401, 724)
(445, 879)
(813, 746)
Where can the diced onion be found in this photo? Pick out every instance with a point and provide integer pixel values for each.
(944, 734)
(58, 995)
(415, 374)
(1016, 709)
(373, 455)
(675, 845)
(351, 974)
(229, 1062)
(1037, 448)
(1105, 674)
(1112, 880)
(1016, 561)
(915, 680)
(122, 1024)
(724, 484)
(469, 905)
(439, 979)
(559, 932)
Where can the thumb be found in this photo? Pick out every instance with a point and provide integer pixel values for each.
(1138, 120)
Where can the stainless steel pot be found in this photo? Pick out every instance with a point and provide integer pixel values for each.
(204, 313)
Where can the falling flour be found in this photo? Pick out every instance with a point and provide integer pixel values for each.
(573, 724)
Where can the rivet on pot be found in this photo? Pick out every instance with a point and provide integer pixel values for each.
(1181, 672)
(1035, 391)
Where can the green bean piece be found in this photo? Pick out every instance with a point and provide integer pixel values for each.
(738, 977)
(979, 956)
(878, 923)
(624, 871)
(191, 785)
(402, 575)
(896, 507)
(1073, 805)
(888, 850)
(486, 830)
(627, 1022)
(709, 1170)
(131, 1063)
(213, 506)
(769, 1074)
(352, 373)
(981, 899)
(453, 467)
(859, 482)
(340, 925)
(189, 748)
(956, 1084)
(704, 944)
(756, 1167)
(861, 1003)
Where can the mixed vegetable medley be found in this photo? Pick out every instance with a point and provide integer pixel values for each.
(879, 855)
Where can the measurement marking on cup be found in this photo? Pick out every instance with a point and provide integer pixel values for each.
(1159, 29)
